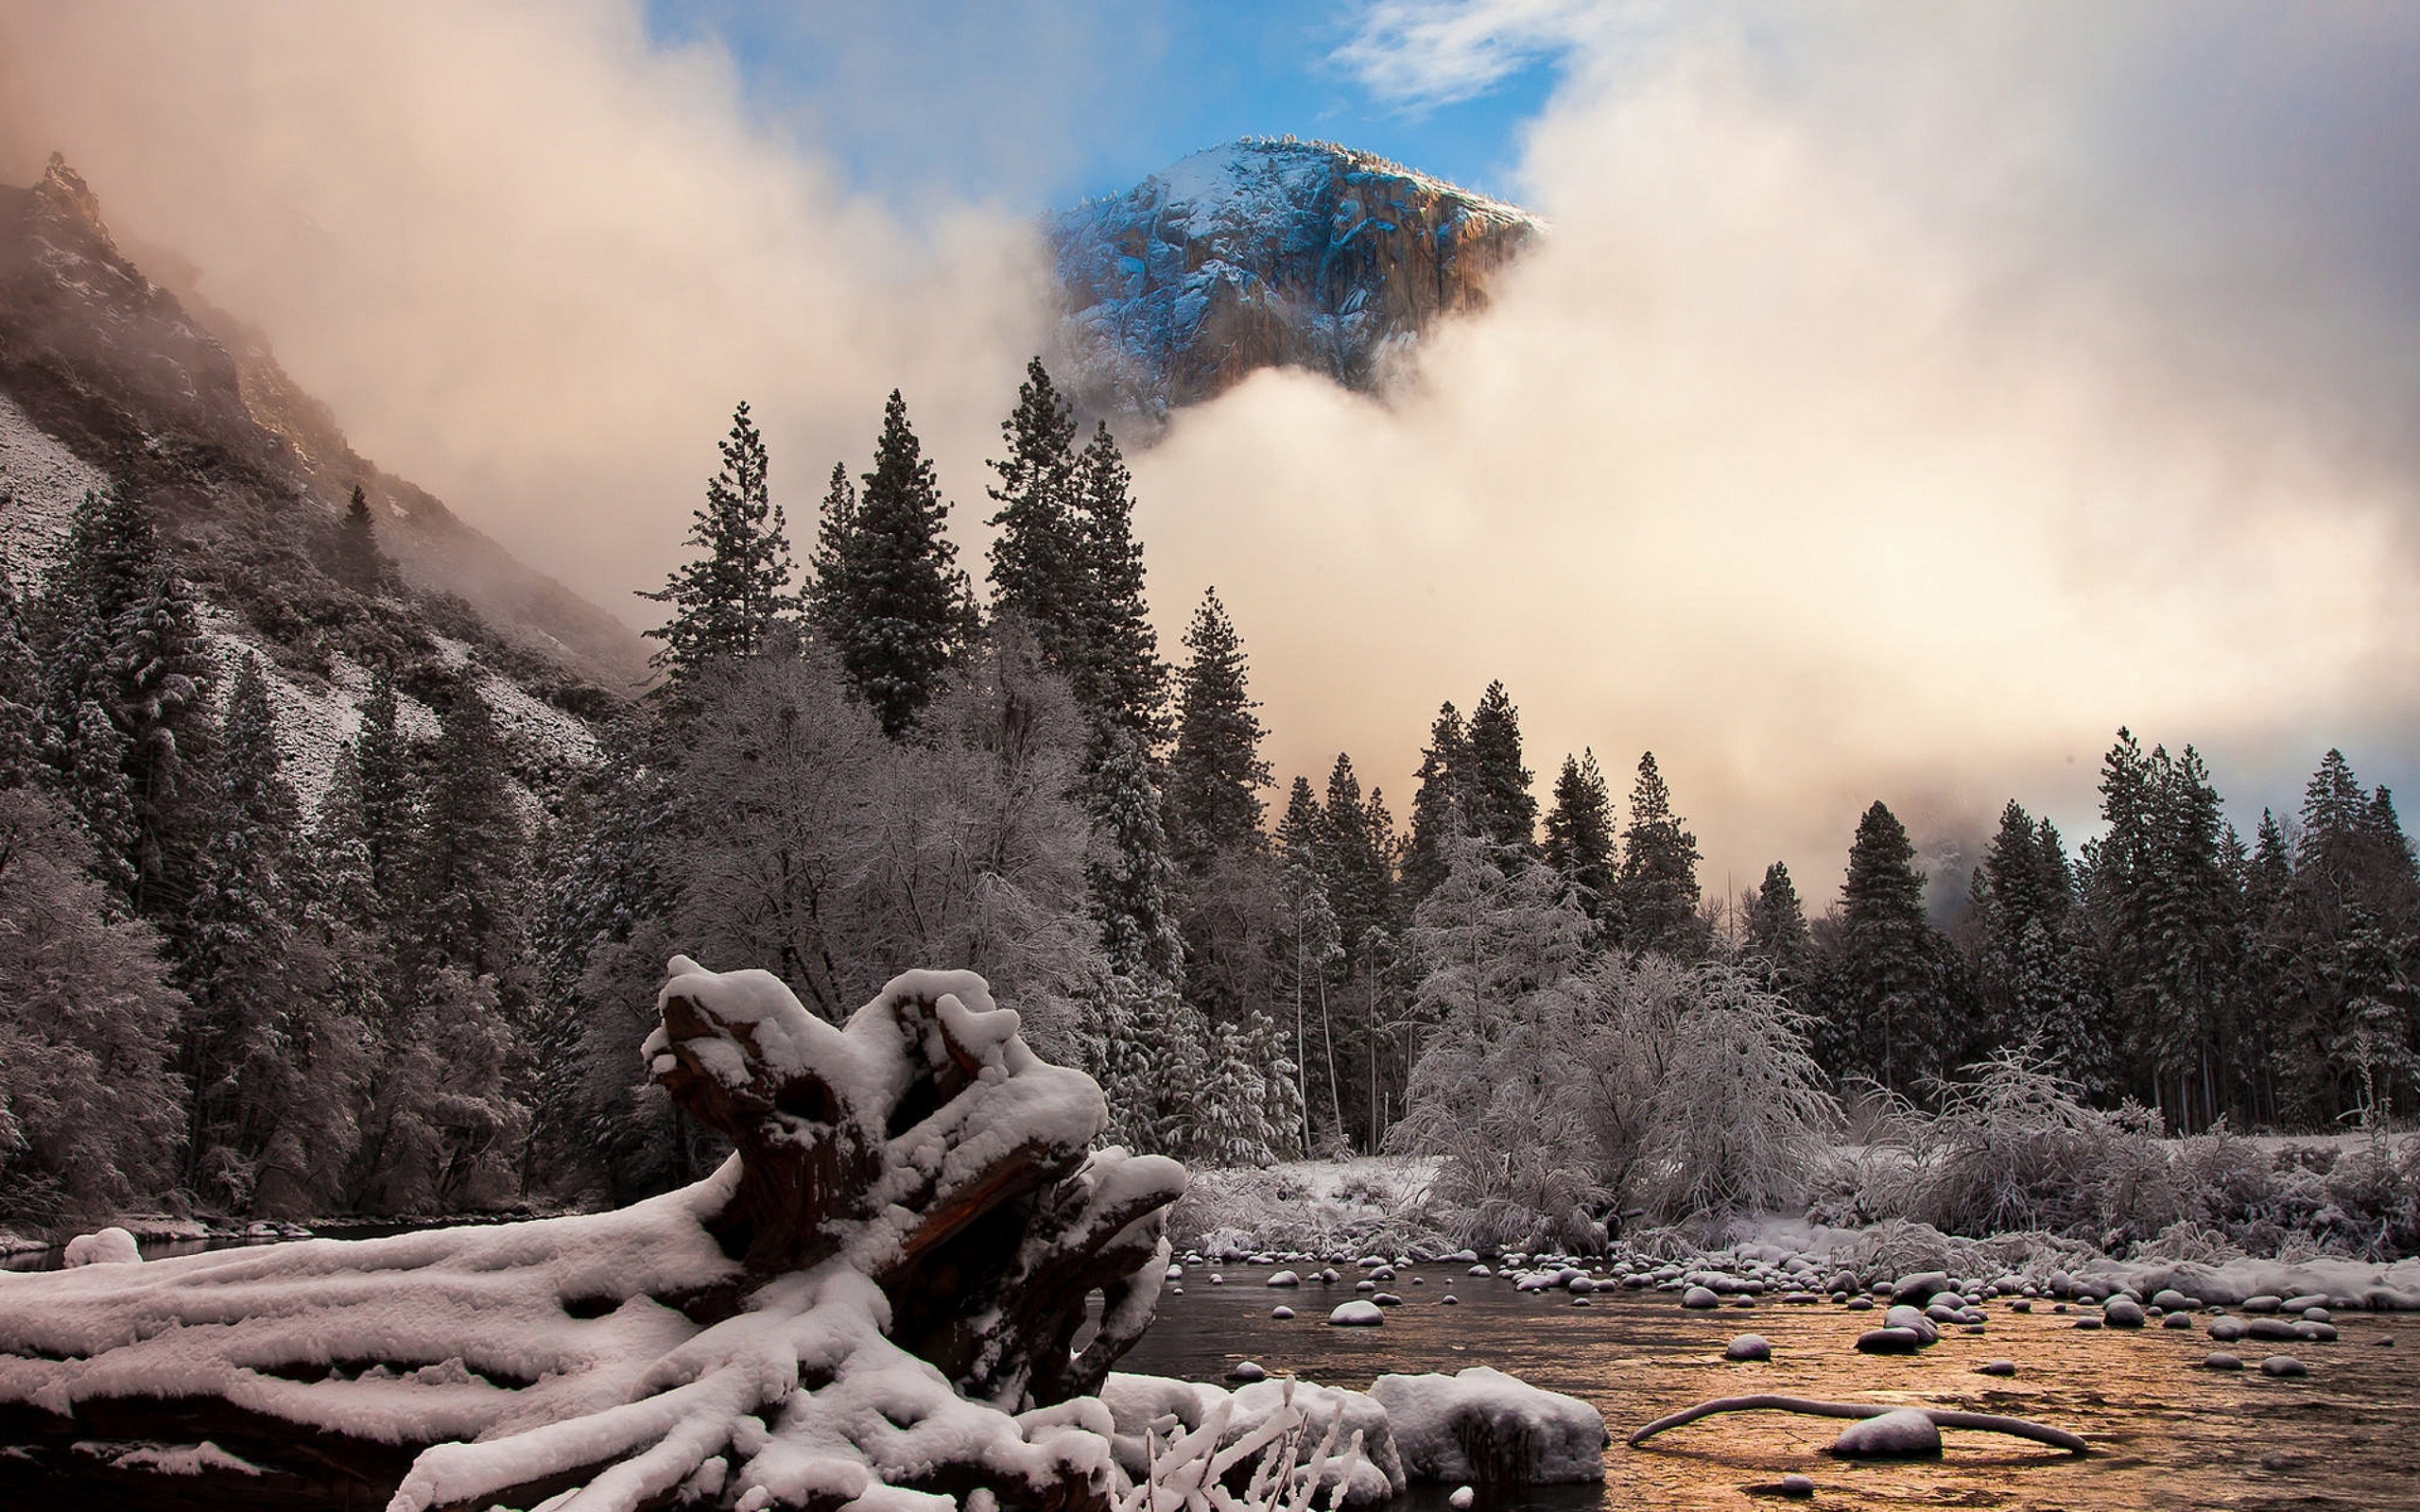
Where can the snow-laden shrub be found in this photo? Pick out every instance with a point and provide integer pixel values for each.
(1561, 1089)
(1319, 1208)
(2185, 1241)
(1740, 1120)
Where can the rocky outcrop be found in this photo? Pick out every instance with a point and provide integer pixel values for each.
(1267, 253)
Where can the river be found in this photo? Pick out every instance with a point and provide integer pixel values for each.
(2165, 1432)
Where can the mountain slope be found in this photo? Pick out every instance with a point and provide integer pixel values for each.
(1261, 254)
(175, 400)
(107, 379)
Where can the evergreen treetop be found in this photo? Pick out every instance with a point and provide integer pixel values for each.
(1038, 570)
(1659, 875)
(728, 599)
(894, 605)
(1579, 840)
(1439, 810)
(1215, 773)
(1120, 676)
(1776, 921)
(358, 564)
(1501, 806)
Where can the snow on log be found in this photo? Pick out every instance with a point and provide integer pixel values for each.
(883, 1287)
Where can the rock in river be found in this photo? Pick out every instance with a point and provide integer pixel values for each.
(1902, 1435)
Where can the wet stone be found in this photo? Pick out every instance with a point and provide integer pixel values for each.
(1902, 1435)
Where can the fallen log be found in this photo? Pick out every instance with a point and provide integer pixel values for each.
(884, 1285)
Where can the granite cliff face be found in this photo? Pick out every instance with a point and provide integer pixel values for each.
(1266, 254)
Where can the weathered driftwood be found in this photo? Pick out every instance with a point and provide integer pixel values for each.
(1941, 1417)
(886, 1283)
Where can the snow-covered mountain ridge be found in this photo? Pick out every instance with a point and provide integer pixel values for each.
(110, 380)
(1267, 252)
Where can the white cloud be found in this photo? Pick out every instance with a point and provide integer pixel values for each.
(1420, 53)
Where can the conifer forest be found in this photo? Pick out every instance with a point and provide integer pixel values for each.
(421, 995)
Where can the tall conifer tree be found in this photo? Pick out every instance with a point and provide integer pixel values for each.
(727, 600)
(1120, 676)
(1580, 836)
(1777, 925)
(1039, 571)
(1501, 806)
(1216, 774)
(359, 565)
(1887, 987)
(1659, 876)
(1438, 808)
(895, 606)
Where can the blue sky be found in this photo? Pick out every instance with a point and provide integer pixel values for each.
(1033, 103)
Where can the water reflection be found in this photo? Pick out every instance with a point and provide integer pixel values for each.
(2165, 1432)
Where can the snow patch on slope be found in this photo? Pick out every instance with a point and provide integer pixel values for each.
(41, 483)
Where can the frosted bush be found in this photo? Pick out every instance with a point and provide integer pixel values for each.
(1741, 1120)
(2185, 1242)
(1561, 1089)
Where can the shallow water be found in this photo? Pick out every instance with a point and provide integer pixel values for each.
(2165, 1433)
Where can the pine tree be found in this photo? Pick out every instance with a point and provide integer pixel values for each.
(894, 606)
(359, 565)
(467, 867)
(1129, 874)
(21, 694)
(2035, 974)
(830, 599)
(1039, 571)
(1120, 679)
(1351, 856)
(1887, 986)
(1659, 876)
(728, 601)
(89, 756)
(1579, 837)
(273, 1058)
(1439, 808)
(1501, 806)
(161, 700)
(1300, 832)
(2339, 944)
(1776, 926)
(1215, 775)
(383, 763)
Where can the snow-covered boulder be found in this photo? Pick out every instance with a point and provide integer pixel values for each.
(1357, 1314)
(108, 1247)
(1482, 1426)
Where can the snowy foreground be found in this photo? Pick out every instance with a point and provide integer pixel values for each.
(878, 1303)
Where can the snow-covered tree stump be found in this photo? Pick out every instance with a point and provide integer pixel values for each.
(886, 1286)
